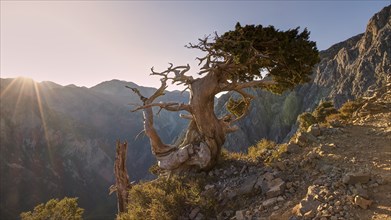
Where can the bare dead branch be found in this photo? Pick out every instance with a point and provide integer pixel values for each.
(169, 106)
(141, 132)
(179, 74)
(186, 116)
(135, 90)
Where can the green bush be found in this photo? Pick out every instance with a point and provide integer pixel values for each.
(54, 209)
(165, 199)
(306, 119)
(344, 113)
(349, 108)
(323, 110)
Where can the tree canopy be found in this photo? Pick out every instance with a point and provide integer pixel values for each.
(254, 52)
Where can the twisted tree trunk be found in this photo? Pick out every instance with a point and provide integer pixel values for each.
(210, 128)
(205, 134)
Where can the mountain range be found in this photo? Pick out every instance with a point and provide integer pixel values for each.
(59, 141)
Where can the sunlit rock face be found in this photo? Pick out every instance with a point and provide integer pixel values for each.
(59, 141)
(347, 70)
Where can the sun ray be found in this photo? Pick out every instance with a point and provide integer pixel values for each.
(44, 122)
(3, 92)
(21, 94)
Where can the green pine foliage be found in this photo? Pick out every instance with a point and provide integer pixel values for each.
(66, 208)
(286, 56)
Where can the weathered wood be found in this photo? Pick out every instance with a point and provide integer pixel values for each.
(249, 56)
(122, 185)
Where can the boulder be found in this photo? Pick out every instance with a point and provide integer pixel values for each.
(308, 206)
(356, 177)
(247, 186)
(275, 188)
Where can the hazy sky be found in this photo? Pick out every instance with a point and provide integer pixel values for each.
(87, 42)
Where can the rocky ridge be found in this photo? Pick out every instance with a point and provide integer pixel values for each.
(339, 171)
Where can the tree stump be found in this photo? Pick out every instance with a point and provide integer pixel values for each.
(122, 185)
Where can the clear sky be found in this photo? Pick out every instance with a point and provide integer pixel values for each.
(87, 42)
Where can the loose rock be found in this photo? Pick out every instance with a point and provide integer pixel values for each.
(269, 202)
(363, 203)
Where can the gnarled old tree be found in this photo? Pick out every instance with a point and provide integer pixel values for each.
(249, 56)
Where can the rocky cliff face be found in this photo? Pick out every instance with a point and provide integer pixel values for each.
(347, 70)
(59, 141)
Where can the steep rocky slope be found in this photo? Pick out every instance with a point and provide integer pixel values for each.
(329, 172)
(59, 141)
(346, 71)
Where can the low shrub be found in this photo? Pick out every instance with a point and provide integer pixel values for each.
(334, 119)
(229, 156)
(323, 110)
(260, 149)
(349, 108)
(65, 208)
(166, 199)
(306, 119)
